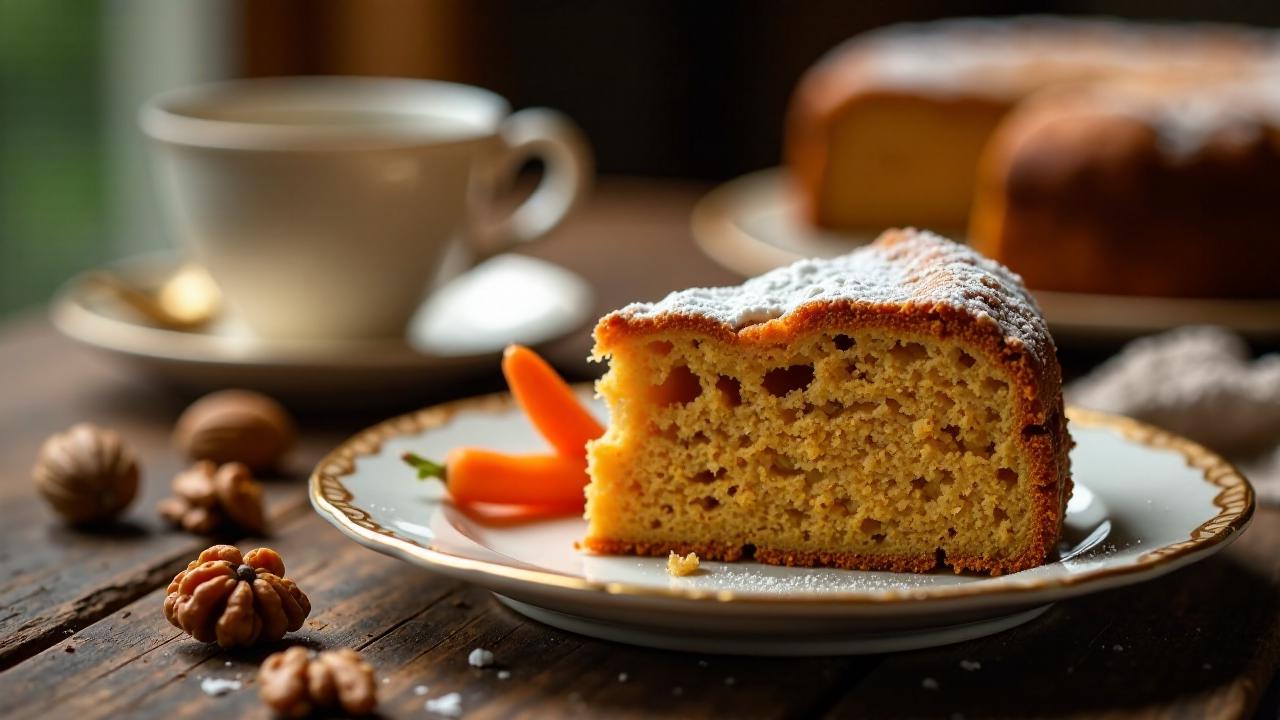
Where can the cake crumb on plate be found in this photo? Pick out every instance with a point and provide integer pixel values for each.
(680, 566)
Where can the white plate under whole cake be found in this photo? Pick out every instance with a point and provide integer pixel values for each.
(1146, 502)
(751, 225)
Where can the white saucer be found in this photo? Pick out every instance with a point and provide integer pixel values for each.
(462, 328)
(750, 225)
(1146, 502)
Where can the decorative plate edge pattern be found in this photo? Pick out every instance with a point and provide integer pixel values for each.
(1235, 502)
(1235, 499)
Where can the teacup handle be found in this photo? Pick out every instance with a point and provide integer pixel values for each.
(553, 138)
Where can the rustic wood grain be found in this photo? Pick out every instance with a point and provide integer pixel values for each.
(417, 629)
(55, 578)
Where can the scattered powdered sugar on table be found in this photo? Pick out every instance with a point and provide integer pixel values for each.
(915, 268)
(504, 674)
(421, 690)
(929, 684)
(480, 658)
(970, 665)
(218, 686)
(447, 705)
(622, 677)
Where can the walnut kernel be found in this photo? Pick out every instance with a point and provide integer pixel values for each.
(235, 600)
(208, 497)
(297, 682)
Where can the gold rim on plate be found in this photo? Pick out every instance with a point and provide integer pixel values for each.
(1235, 503)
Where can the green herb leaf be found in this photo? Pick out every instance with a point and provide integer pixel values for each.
(426, 468)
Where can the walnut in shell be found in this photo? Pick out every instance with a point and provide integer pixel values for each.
(86, 474)
(298, 682)
(209, 497)
(235, 600)
(235, 426)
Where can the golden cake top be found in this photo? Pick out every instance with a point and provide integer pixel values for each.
(907, 269)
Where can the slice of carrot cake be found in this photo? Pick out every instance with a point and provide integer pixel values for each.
(896, 408)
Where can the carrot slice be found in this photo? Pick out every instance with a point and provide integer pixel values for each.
(549, 402)
(476, 475)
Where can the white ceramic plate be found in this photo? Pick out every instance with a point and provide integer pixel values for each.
(750, 225)
(462, 328)
(1146, 502)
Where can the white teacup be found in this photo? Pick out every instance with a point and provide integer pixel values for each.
(324, 207)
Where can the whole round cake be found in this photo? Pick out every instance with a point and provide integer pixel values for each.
(890, 128)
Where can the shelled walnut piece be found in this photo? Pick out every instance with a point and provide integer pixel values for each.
(209, 497)
(235, 600)
(235, 426)
(86, 474)
(297, 682)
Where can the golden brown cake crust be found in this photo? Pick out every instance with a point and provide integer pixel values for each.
(1030, 360)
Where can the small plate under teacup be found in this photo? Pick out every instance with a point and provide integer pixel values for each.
(460, 329)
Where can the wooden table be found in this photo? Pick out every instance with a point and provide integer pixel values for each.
(82, 634)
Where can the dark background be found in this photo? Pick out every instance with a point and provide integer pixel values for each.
(662, 87)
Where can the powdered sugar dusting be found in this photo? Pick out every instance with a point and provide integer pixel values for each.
(1010, 57)
(1188, 118)
(911, 268)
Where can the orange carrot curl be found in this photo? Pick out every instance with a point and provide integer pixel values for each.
(549, 402)
(475, 475)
